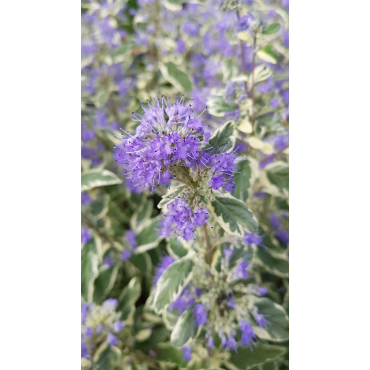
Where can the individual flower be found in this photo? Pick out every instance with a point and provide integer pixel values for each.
(241, 270)
(248, 335)
(274, 103)
(244, 22)
(85, 235)
(125, 255)
(200, 314)
(186, 351)
(251, 238)
(85, 198)
(260, 320)
(112, 340)
(131, 239)
(231, 343)
(108, 261)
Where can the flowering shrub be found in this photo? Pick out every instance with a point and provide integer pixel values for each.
(185, 184)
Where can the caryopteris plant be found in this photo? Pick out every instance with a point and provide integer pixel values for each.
(185, 197)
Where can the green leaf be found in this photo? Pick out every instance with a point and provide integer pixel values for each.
(171, 283)
(148, 237)
(99, 207)
(97, 177)
(158, 335)
(89, 270)
(176, 77)
(173, 193)
(277, 331)
(278, 174)
(242, 181)
(175, 247)
(121, 53)
(246, 358)
(185, 329)
(143, 262)
(104, 283)
(102, 97)
(169, 319)
(128, 297)
(105, 357)
(227, 69)
(272, 28)
(167, 353)
(238, 253)
(142, 214)
(233, 215)
(173, 5)
(143, 335)
(274, 263)
(224, 135)
(218, 107)
(268, 54)
(261, 73)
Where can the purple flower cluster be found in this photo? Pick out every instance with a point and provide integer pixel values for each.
(182, 219)
(159, 146)
(99, 323)
(168, 145)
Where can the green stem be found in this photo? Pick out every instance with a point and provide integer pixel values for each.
(252, 73)
(244, 69)
(86, 220)
(208, 245)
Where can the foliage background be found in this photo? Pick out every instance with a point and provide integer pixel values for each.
(133, 51)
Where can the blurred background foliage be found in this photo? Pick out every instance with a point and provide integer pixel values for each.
(139, 49)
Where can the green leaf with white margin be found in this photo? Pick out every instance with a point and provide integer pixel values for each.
(274, 263)
(278, 174)
(227, 69)
(172, 282)
(99, 207)
(218, 107)
(176, 248)
(148, 237)
(268, 54)
(175, 76)
(232, 215)
(277, 330)
(224, 135)
(272, 28)
(169, 319)
(261, 73)
(104, 283)
(143, 335)
(246, 358)
(185, 329)
(106, 357)
(142, 214)
(143, 262)
(242, 181)
(168, 354)
(89, 270)
(128, 297)
(98, 177)
(173, 5)
(173, 193)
